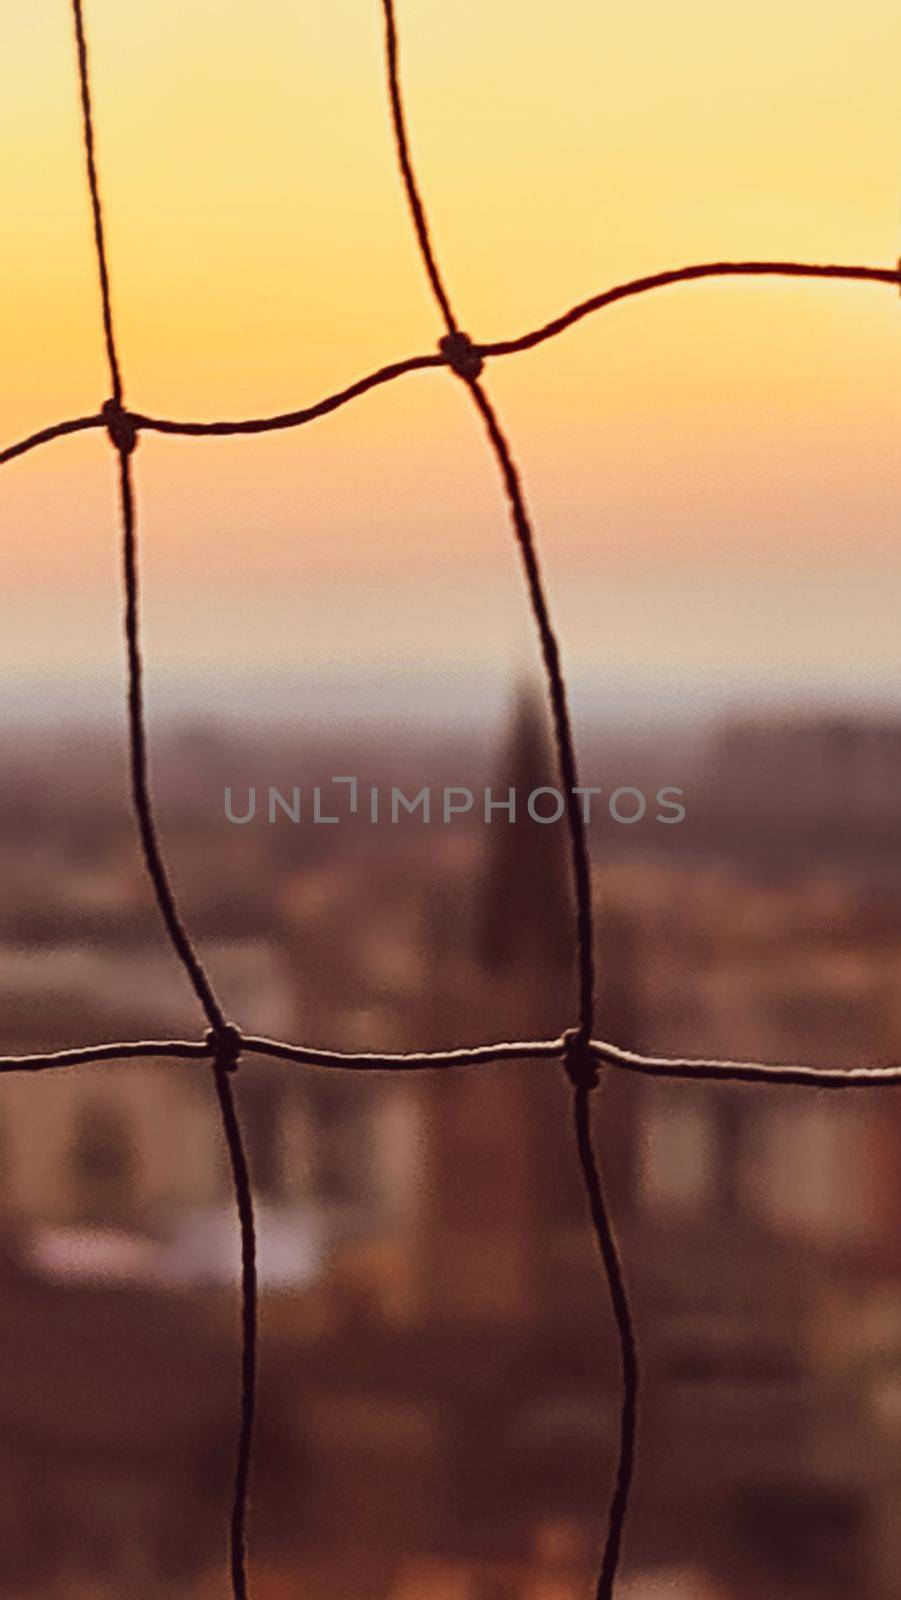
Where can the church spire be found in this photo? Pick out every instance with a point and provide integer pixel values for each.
(525, 918)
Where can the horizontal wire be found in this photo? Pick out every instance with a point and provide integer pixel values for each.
(663, 280)
(498, 347)
(762, 1072)
(293, 419)
(607, 1054)
(408, 1061)
(44, 435)
(506, 1050)
(122, 1050)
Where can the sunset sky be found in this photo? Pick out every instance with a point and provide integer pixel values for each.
(714, 470)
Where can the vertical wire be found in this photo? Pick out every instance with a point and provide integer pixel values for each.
(580, 1065)
(84, 82)
(556, 685)
(468, 364)
(249, 1322)
(619, 1500)
(420, 221)
(140, 783)
(225, 1041)
(522, 529)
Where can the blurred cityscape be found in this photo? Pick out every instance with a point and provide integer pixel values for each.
(439, 1371)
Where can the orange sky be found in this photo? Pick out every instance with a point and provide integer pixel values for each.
(715, 471)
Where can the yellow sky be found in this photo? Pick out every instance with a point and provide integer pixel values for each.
(261, 255)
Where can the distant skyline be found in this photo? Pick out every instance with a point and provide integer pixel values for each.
(714, 471)
(334, 696)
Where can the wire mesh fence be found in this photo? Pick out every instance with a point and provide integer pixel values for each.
(582, 1055)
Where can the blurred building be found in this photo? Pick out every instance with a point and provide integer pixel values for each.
(440, 1396)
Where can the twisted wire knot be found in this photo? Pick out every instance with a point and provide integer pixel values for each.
(461, 354)
(226, 1044)
(580, 1065)
(120, 425)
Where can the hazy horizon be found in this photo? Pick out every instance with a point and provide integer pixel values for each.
(342, 699)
